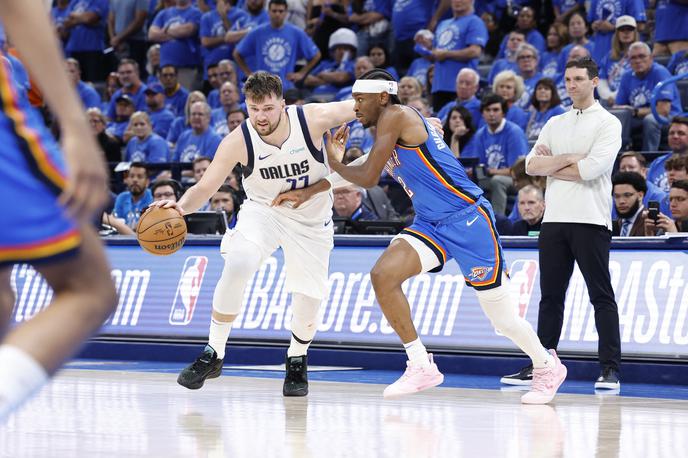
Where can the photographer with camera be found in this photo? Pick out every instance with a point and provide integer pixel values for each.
(657, 223)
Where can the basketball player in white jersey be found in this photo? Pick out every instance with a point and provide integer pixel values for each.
(279, 149)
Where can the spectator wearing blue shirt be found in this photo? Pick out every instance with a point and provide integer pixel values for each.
(257, 15)
(176, 29)
(200, 140)
(229, 101)
(616, 62)
(557, 38)
(498, 145)
(510, 87)
(408, 17)
(526, 24)
(337, 72)
(635, 92)
(527, 58)
(160, 117)
(379, 56)
(85, 24)
(678, 143)
(513, 41)
(225, 72)
(420, 65)
(182, 123)
(88, 95)
(544, 104)
(602, 17)
(118, 127)
(671, 32)
(562, 8)
(372, 17)
(362, 65)
(458, 43)
(214, 27)
(153, 64)
(577, 27)
(276, 46)
(131, 203)
(126, 28)
(129, 79)
(175, 93)
(678, 63)
(467, 85)
(144, 145)
(577, 52)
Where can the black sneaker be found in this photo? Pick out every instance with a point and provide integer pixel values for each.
(608, 380)
(206, 366)
(524, 377)
(296, 380)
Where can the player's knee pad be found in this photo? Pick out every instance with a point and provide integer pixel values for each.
(304, 319)
(242, 260)
(499, 307)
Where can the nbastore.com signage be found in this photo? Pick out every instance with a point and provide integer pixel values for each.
(172, 297)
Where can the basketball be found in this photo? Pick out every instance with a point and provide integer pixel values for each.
(161, 231)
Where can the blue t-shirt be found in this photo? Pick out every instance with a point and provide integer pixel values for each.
(611, 70)
(162, 121)
(502, 149)
(183, 52)
(656, 174)
(360, 136)
(518, 116)
(561, 90)
(177, 101)
(473, 107)
(419, 70)
(59, 15)
(87, 37)
(565, 5)
(549, 63)
(501, 65)
(189, 145)
(610, 10)
(671, 21)
(152, 149)
(179, 126)
(409, 16)
(277, 50)
(678, 63)
(214, 99)
(139, 100)
(564, 54)
(218, 121)
(88, 95)
(212, 26)
(637, 92)
(538, 119)
(330, 65)
(528, 88)
(117, 128)
(454, 34)
(126, 208)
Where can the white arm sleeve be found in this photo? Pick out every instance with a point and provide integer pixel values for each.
(336, 180)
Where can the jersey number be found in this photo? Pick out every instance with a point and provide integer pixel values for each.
(294, 182)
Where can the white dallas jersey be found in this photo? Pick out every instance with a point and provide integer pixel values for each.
(272, 170)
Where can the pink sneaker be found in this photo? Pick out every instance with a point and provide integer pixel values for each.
(415, 379)
(546, 382)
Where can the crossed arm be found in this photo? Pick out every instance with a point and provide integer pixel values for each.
(563, 166)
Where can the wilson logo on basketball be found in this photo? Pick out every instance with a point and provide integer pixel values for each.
(188, 290)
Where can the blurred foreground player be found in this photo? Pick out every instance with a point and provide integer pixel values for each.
(279, 148)
(46, 209)
(453, 220)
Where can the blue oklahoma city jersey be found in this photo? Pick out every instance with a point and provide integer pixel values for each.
(452, 219)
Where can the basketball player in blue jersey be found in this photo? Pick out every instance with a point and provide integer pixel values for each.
(453, 220)
(46, 205)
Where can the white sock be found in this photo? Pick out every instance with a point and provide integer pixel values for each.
(21, 377)
(304, 323)
(417, 354)
(217, 338)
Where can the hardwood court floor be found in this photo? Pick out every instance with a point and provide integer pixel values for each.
(119, 413)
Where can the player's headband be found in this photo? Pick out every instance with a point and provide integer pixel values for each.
(374, 87)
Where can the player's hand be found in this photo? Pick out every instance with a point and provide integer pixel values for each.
(336, 144)
(295, 197)
(85, 193)
(167, 204)
(542, 150)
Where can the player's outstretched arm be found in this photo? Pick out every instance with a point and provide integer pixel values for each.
(27, 24)
(232, 150)
(322, 117)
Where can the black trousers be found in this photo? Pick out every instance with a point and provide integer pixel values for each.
(560, 244)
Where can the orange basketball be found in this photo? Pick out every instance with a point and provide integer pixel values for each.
(161, 231)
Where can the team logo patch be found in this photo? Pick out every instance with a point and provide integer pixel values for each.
(480, 273)
(188, 290)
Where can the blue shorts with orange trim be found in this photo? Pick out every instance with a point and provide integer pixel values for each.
(34, 226)
(470, 237)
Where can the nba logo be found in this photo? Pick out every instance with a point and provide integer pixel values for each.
(188, 289)
(523, 273)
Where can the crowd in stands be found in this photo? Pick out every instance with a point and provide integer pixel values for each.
(161, 82)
